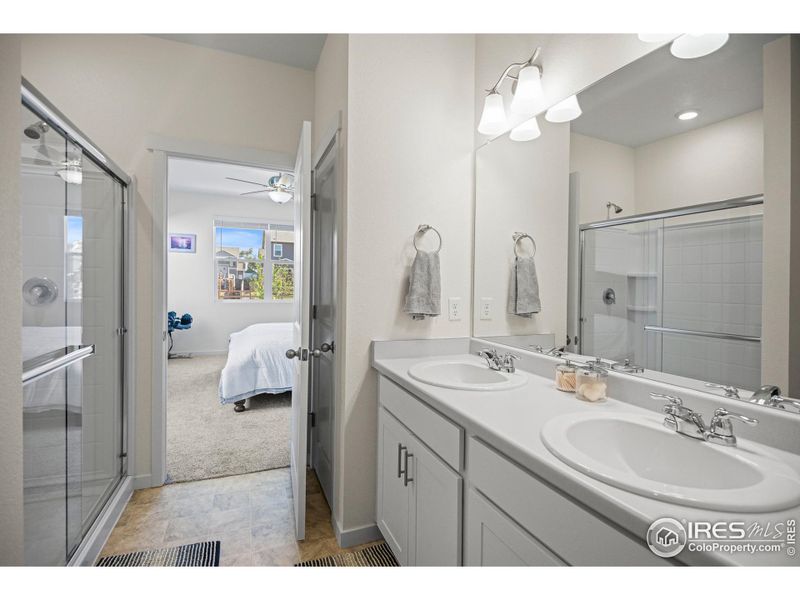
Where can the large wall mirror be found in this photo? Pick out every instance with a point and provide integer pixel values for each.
(634, 232)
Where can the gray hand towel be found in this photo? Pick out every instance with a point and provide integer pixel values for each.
(425, 287)
(523, 291)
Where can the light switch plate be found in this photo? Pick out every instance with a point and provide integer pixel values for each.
(454, 305)
(486, 309)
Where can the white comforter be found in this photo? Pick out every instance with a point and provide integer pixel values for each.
(257, 362)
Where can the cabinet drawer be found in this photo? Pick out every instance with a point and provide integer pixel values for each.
(438, 433)
(576, 535)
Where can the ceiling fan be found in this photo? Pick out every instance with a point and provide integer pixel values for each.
(279, 188)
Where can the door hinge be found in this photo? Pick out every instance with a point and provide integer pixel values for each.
(313, 202)
(122, 330)
(314, 312)
(313, 417)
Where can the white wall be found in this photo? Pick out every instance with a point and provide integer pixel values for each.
(607, 174)
(522, 187)
(11, 533)
(192, 276)
(717, 162)
(120, 88)
(410, 142)
(781, 310)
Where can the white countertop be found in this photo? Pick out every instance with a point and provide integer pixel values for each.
(511, 420)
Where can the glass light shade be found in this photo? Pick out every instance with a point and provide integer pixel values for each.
(695, 45)
(526, 131)
(72, 175)
(564, 111)
(656, 38)
(285, 181)
(528, 96)
(279, 196)
(493, 118)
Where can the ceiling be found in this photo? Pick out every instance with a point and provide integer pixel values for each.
(190, 175)
(637, 104)
(300, 50)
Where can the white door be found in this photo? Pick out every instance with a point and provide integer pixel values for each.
(301, 330)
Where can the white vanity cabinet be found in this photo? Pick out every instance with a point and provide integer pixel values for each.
(419, 495)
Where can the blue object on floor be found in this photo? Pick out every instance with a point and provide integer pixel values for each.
(175, 323)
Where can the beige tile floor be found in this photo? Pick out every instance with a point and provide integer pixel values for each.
(250, 514)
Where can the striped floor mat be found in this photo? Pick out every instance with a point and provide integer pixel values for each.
(202, 554)
(378, 555)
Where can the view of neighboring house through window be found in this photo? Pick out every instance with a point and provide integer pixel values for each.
(73, 242)
(253, 261)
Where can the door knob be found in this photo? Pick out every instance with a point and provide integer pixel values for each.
(299, 353)
(324, 347)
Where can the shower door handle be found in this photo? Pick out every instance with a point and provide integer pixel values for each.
(51, 362)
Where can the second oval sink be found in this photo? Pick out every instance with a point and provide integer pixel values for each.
(462, 375)
(639, 454)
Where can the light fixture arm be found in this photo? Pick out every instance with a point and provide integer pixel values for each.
(521, 65)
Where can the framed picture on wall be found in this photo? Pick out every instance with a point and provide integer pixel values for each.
(182, 242)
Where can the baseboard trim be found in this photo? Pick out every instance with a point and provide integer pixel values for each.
(141, 482)
(96, 538)
(357, 535)
(192, 353)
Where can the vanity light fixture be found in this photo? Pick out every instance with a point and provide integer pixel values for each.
(528, 96)
(526, 131)
(687, 115)
(695, 45)
(564, 111)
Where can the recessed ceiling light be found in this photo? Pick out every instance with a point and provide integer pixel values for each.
(687, 115)
(695, 45)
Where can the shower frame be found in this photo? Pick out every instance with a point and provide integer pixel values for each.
(694, 209)
(98, 532)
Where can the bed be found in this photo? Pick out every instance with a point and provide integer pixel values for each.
(256, 364)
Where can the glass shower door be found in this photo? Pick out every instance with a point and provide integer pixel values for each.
(72, 224)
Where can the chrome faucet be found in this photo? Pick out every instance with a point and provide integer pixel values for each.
(554, 351)
(680, 418)
(685, 421)
(496, 362)
(770, 395)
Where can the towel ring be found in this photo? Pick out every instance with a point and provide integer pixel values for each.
(519, 236)
(421, 230)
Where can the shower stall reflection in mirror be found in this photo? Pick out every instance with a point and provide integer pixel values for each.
(77, 454)
(686, 291)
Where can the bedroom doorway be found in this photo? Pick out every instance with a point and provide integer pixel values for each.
(229, 290)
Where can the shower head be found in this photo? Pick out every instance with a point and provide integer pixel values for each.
(615, 207)
(37, 130)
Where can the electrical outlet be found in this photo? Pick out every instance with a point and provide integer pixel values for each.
(455, 309)
(486, 309)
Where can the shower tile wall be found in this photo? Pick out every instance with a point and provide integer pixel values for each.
(712, 282)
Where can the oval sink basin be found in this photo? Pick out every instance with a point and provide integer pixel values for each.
(462, 375)
(639, 454)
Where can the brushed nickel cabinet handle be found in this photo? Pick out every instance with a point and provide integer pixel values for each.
(406, 478)
(400, 449)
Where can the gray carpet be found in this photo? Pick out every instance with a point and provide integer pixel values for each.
(206, 439)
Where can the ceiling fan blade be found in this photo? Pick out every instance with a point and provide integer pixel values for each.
(245, 181)
(255, 192)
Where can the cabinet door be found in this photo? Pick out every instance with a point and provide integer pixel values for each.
(494, 540)
(394, 498)
(436, 509)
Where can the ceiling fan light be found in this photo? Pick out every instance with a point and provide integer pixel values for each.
(279, 196)
(493, 118)
(695, 45)
(526, 131)
(528, 97)
(564, 111)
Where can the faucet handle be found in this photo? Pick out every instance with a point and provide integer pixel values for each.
(671, 399)
(721, 429)
(726, 414)
(730, 390)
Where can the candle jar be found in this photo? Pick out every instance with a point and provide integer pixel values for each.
(565, 377)
(591, 384)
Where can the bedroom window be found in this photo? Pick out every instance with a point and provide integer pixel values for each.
(253, 261)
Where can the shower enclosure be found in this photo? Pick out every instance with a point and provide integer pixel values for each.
(677, 291)
(73, 201)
